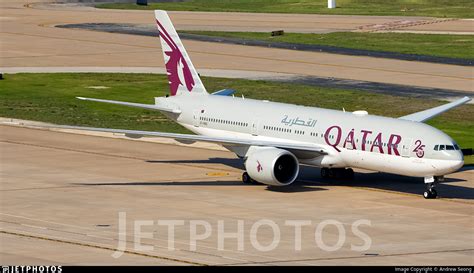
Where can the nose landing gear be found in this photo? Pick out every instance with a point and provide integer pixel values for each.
(246, 178)
(430, 192)
(431, 182)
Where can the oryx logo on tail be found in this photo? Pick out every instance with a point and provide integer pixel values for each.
(182, 76)
(176, 66)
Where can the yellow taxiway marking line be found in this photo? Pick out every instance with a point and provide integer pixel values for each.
(218, 174)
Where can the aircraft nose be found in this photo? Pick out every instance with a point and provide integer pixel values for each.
(451, 164)
(457, 162)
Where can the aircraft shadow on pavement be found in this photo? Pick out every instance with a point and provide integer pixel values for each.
(388, 182)
(231, 162)
(296, 187)
(309, 180)
(169, 183)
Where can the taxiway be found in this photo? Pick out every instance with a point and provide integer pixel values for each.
(61, 195)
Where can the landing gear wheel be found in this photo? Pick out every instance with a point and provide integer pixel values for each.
(325, 173)
(349, 173)
(430, 192)
(434, 193)
(246, 178)
(427, 195)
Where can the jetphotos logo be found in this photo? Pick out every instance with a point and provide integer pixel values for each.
(176, 65)
(32, 269)
(237, 236)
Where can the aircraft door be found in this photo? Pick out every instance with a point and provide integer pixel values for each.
(196, 117)
(407, 147)
(255, 125)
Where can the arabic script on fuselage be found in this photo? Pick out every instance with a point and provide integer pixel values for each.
(298, 122)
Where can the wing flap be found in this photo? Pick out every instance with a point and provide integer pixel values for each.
(431, 113)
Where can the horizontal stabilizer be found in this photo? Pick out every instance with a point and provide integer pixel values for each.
(138, 105)
(431, 113)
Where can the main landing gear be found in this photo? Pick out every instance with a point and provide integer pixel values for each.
(247, 179)
(341, 173)
(431, 182)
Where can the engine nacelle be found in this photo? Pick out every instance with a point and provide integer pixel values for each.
(272, 166)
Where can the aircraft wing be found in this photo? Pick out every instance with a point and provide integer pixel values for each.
(224, 92)
(431, 113)
(138, 105)
(228, 141)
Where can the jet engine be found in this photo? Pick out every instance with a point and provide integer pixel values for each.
(272, 166)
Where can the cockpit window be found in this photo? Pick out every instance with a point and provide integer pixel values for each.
(446, 147)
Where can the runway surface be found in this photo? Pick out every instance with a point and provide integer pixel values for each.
(28, 34)
(61, 195)
(150, 30)
(265, 22)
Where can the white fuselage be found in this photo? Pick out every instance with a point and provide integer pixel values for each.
(353, 139)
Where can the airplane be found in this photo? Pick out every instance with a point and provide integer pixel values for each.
(274, 139)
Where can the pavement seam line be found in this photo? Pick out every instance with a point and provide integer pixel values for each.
(98, 247)
(361, 257)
